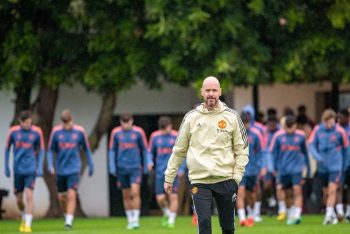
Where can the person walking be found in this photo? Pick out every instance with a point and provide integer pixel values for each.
(66, 141)
(214, 142)
(128, 160)
(28, 151)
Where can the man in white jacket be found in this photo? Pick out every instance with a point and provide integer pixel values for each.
(214, 142)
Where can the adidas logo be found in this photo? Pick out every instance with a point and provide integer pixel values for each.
(234, 197)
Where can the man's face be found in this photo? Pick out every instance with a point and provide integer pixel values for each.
(25, 124)
(291, 129)
(329, 123)
(167, 129)
(272, 125)
(211, 92)
(247, 125)
(126, 124)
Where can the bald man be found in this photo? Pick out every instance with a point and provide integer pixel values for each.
(214, 141)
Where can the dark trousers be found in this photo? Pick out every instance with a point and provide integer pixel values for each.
(225, 194)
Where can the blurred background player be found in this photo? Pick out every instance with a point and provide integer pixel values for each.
(280, 195)
(161, 145)
(66, 141)
(304, 122)
(128, 160)
(272, 126)
(343, 121)
(328, 143)
(288, 149)
(249, 111)
(247, 187)
(28, 152)
(347, 178)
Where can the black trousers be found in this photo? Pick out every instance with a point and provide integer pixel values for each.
(225, 194)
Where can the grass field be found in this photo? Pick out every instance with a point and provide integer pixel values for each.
(151, 225)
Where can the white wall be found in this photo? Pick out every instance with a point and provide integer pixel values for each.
(40, 194)
(170, 99)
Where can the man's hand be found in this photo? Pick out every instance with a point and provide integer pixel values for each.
(113, 172)
(263, 172)
(52, 171)
(168, 187)
(150, 166)
(91, 171)
(7, 172)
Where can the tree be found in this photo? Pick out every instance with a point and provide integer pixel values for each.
(47, 44)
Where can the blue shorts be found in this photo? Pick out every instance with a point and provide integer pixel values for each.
(126, 177)
(67, 182)
(329, 177)
(23, 181)
(249, 182)
(159, 185)
(289, 180)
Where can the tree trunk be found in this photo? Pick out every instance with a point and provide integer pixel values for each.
(335, 96)
(44, 111)
(256, 101)
(102, 124)
(101, 127)
(23, 92)
(104, 120)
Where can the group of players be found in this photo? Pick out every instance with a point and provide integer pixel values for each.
(278, 152)
(66, 142)
(129, 156)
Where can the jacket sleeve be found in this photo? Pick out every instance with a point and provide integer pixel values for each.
(41, 148)
(143, 146)
(179, 151)
(50, 151)
(86, 146)
(306, 156)
(313, 141)
(240, 149)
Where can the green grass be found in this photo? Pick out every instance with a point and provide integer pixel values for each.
(152, 225)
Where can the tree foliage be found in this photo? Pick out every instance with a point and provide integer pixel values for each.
(252, 42)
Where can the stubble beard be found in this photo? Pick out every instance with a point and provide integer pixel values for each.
(211, 102)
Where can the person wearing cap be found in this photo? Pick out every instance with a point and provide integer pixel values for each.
(66, 141)
(214, 142)
(290, 157)
(328, 142)
(128, 160)
(28, 153)
(250, 112)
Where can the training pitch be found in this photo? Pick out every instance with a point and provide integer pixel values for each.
(311, 224)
